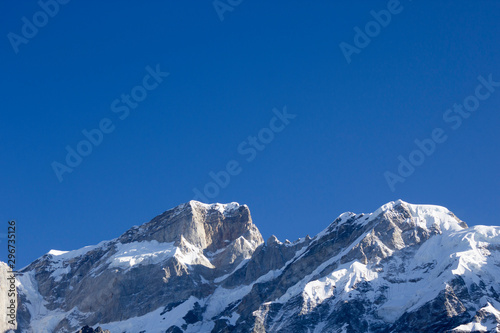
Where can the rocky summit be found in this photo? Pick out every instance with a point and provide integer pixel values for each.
(206, 268)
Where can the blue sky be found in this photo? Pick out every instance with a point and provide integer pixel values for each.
(227, 80)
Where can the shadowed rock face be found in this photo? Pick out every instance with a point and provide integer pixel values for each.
(205, 268)
(88, 329)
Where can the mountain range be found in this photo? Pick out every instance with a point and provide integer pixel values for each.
(206, 268)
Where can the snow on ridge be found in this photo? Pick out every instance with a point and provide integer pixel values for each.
(225, 276)
(132, 254)
(344, 278)
(295, 242)
(58, 258)
(145, 252)
(430, 215)
(57, 252)
(179, 209)
(338, 221)
(456, 254)
(300, 285)
(225, 209)
(394, 204)
(487, 325)
(470, 248)
(389, 206)
(464, 250)
(490, 234)
(423, 215)
(64, 255)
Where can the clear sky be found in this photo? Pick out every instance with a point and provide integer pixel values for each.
(357, 94)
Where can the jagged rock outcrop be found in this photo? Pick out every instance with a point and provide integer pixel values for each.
(205, 268)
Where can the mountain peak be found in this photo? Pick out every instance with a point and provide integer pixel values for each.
(400, 212)
(206, 226)
(204, 267)
(225, 209)
(423, 214)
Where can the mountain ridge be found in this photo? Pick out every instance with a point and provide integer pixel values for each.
(205, 267)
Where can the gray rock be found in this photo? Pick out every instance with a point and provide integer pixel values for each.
(404, 268)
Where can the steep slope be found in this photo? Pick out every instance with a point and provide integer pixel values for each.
(404, 268)
(164, 261)
(205, 268)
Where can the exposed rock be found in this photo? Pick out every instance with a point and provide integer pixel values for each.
(206, 268)
(88, 329)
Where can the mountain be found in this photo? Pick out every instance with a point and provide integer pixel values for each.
(206, 268)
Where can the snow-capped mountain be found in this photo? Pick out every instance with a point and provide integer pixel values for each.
(206, 268)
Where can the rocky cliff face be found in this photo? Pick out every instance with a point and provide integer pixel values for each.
(205, 268)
